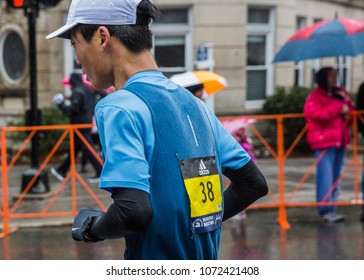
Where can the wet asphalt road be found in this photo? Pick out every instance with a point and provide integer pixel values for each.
(258, 237)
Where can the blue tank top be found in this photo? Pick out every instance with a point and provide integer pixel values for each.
(184, 153)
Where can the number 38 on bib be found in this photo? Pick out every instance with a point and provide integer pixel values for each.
(203, 186)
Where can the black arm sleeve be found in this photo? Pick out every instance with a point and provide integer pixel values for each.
(360, 106)
(247, 185)
(130, 212)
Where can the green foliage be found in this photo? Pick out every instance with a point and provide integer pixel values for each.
(51, 116)
(286, 101)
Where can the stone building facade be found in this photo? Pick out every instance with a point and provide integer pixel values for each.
(241, 38)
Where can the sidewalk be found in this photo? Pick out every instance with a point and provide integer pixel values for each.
(258, 237)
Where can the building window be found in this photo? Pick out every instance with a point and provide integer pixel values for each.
(173, 47)
(260, 53)
(170, 51)
(343, 66)
(13, 56)
(256, 78)
(258, 16)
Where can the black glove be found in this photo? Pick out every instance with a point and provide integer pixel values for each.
(83, 222)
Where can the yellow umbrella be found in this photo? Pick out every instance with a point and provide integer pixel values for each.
(211, 81)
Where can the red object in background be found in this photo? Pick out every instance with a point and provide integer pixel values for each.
(40, 4)
(326, 38)
(19, 3)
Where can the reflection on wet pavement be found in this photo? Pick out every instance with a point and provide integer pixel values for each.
(257, 237)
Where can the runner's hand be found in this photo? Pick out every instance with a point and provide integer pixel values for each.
(58, 98)
(83, 222)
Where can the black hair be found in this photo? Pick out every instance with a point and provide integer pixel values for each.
(136, 37)
(321, 80)
(321, 77)
(76, 79)
(195, 88)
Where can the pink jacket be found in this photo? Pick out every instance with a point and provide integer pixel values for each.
(326, 126)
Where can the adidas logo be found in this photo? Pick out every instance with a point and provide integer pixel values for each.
(202, 169)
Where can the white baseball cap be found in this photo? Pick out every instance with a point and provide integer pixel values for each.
(108, 12)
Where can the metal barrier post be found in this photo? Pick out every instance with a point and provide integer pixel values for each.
(282, 215)
(356, 157)
(4, 181)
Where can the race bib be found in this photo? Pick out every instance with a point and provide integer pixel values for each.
(202, 182)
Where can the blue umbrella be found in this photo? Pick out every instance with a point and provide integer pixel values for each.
(326, 38)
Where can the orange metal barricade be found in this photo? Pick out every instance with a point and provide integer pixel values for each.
(279, 196)
(283, 198)
(10, 211)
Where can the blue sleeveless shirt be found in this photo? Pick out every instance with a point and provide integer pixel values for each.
(154, 135)
(182, 131)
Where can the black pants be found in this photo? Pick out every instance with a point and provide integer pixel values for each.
(80, 146)
(84, 158)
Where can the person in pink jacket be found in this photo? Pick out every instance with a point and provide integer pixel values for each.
(327, 115)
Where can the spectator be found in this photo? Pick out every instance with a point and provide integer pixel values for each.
(326, 112)
(198, 91)
(360, 107)
(237, 128)
(244, 140)
(79, 108)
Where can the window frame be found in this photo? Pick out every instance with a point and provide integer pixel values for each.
(4, 33)
(268, 30)
(176, 30)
